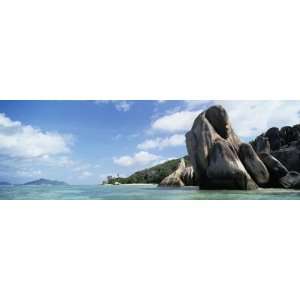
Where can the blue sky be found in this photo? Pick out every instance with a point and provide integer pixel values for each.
(81, 142)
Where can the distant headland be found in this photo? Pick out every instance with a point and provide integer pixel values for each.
(43, 181)
(5, 183)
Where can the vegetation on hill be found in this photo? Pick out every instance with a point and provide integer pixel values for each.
(152, 175)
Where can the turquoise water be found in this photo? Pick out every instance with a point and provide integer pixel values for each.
(136, 192)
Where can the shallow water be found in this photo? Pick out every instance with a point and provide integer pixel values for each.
(137, 192)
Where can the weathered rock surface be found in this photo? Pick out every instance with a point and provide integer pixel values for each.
(255, 167)
(289, 156)
(261, 145)
(174, 179)
(203, 133)
(291, 180)
(214, 150)
(183, 176)
(219, 119)
(284, 145)
(225, 169)
(276, 169)
(273, 134)
(188, 176)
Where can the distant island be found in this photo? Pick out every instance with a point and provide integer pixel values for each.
(43, 181)
(5, 183)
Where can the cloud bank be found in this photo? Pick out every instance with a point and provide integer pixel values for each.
(249, 118)
(139, 158)
(176, 122)
(161, 143)
(121, 105)
(24, 141)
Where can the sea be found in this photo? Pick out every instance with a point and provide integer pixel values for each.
(137, 192)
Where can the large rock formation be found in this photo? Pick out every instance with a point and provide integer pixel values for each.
(219, 158)
(221, 161)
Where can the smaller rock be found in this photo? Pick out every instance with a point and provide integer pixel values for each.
(276, 169)
(289, 156)
(291, 180)
(273, 134)
(295, 134)
(262, 145)
(286, 134)
(174, 179)
(188, 177)
(296, 129)
(253, 164)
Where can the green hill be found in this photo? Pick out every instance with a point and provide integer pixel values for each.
(152, 175)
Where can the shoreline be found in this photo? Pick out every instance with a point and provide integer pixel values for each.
(130, 184)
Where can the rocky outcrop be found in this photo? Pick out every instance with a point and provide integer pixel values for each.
(273, 135)
(289, 155)
(253, 164)
(183, 176)
(291, 180)
(225, 169)
(261, 145)
(279, 149)
(188, 176)
(219, 158)
(276, 169)
(174, 179)
(221, 161)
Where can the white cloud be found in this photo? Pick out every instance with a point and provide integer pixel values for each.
(164, 160)
(102, 101)
(86, 174)
(55, 161)
(116, 137)
(177, 122)
(160, 143)
(251, 118)
(24, 141)
(29, 173)
(96, 166)
(139, 158)
(197, 104)
(133, 136)
(123, 106)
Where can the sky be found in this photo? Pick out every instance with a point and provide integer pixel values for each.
(83, 142)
